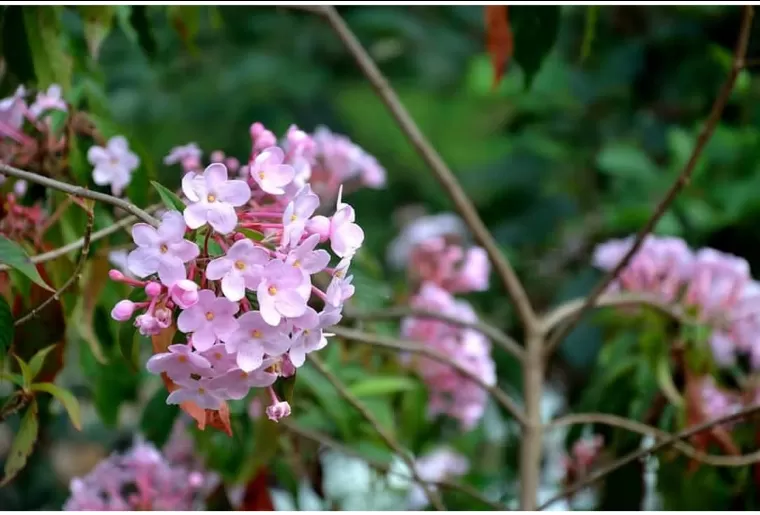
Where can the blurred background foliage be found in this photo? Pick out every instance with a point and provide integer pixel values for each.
(597, 111)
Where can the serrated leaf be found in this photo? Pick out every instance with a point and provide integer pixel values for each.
(158, 418)
(6, 328)
(35, 364)
(67, 400)
(98, 20)
(23, 444)
(375, 386)
(535, 30)
(52, 64)
(169, 198)
(13, 255)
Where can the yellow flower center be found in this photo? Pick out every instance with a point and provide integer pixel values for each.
(293, 218)
(339, 274)
(209, 316)
(182, 359)
(243, 375)
(218, 355)
(297, 263)
(255, 333)
(272, 290)
(261, 175)
(239, 265)
(201, 391)
(211, 197)
(163, 248)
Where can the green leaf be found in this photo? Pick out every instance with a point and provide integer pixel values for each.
(26, 372)
(13, 255)
(534, 30)
(52, 64)
(129, 344)
(158, 418)
(6, 328)
(23, 444)
(66, 398)
(98, 20)
(589, 30)
(141, 24)
(626, 161)
(665, 380)
(374, 386)
(169, 198)
(35, 364)
(15, 44)
(14, 378)
(187, 22)
(251, 234)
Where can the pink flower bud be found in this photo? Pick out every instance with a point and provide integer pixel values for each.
(319, 225)
(232, 164)
(265, 140)
(217, 156)
(123, 310)
(256, 130)
(153, 289)
(147, 325)
(115, 275)
(278, 410)
(163, 317)
(184, 293)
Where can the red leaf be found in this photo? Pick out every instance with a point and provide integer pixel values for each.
(256, 496)
(499, 41)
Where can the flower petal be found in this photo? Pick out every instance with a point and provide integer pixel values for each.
(222, 217)
(235, 192)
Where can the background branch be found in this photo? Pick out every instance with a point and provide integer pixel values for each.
(435, 162)
(78, 191)
(374, 339)
(641, 453)
(389, 440)
(681, 181)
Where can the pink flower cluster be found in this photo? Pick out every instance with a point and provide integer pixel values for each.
(437, 465)
(234, 272)
(715, 286)
(583, 454)
(325, 160)
(141, 479)
(445, 268)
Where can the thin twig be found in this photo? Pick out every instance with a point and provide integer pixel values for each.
(389, 440)
(74, 276)
(681, 181)
(634, 426)
(641, 453)
(407, 346)
(497, 336)
(77, 244)
(567, 310)
(384, 467)
(436, 163)
(78, 191)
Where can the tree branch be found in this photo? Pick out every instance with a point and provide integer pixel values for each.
(634, 426)
(641, 453)
(385, 468)
(74, 276)
(381, 341)
(497, 336)
(439, 168)
(681, 181)
(78, 191)
(389, 440)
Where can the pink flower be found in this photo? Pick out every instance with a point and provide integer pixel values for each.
(345, 236)
(184, 293)
(278, 410)
(308, 260)
(236, 383)
(221, 361)
(163, 250)
(474, 271)
(123, 310)
(339, 290)
(12, 109)
(277, 293)
(51, 99)
(148, 325)
(213, 198)
(270, 173)
(297, 214)
(201, 392)
(253, 339)
(179, 363)
(240, 269)
(113, 164)
(210, 319)
(188, 155)
(307, 337)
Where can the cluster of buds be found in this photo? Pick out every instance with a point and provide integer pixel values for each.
(21, 223)
(713, 286)
(583, 455)
(234, 271)
(441, 267)
(141, 479)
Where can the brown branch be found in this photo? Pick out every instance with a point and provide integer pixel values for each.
(647, 430)
(531, 446)
(681, 181)
(74, 276)
(77, 244)
(78, 191)
(497, 336)
(641, 453)
(385, 468)
(569, 309)
(389, 440)
(436, 163)
(407, 346)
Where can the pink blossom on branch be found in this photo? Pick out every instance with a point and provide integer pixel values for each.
(113, 164)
